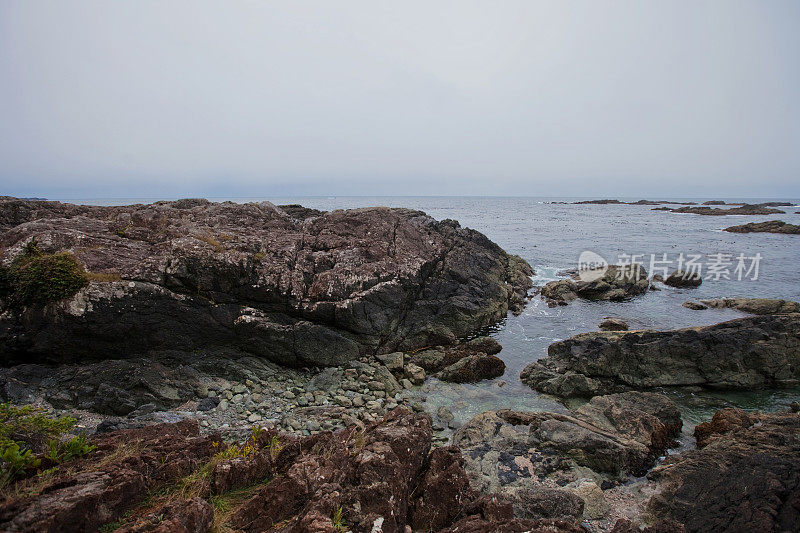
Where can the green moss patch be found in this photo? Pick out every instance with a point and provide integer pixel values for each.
(36, 278)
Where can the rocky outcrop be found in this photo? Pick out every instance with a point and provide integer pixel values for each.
(770, 226)
(755, 306)
(745, 353)
(744, 209)
(379, 477)
(522, 453)
(747, 479)
(616, 282)
(293, 285)
(723, 421)
(99, 488)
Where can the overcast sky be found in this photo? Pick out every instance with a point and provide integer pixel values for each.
(197, 98)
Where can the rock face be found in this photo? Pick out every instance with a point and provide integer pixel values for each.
(745, 353)
(520, 453)
(682, 279)
(747, 479)
(617, 282)
(755, 306)
(296, 286)
(375, 478)
(770, 226)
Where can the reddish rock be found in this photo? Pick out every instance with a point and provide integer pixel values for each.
(723, 421)
(182, 516)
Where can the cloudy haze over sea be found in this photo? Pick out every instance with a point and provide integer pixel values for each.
(583, 98)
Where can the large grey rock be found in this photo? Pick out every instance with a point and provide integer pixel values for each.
(295, 286)
(745, 353)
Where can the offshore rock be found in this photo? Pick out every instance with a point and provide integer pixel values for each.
(617, 282)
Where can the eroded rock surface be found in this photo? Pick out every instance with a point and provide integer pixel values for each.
(604, 441)
(293, 285)
(747, 479)
(755, 306)
(745, 353)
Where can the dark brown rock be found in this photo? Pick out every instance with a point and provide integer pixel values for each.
(182, 516)
(745, 353)
(747, 479)
(723, 421)
(745, 209)
(474, 368)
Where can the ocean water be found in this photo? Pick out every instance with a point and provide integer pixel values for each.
(551, 236)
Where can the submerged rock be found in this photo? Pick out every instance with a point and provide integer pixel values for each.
(294, 286)
(745, 209)
(745, 353)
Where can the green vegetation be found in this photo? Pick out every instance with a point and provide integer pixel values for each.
(339, 524)
(21, 425)
(37, 278)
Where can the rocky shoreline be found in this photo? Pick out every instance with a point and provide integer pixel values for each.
(265, 368)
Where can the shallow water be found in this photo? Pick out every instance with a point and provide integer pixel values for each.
(551, 236)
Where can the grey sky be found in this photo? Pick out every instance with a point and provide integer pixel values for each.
(634, 98)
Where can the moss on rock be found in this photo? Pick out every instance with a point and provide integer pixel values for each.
(36, 278)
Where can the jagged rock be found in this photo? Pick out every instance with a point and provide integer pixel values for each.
(723, 421)
(182, 516)
(745, 353)
(747, 479)
(607, 439)
(755, 306)
(770, 226)
(616, 282)
(297, 288)
(84, 501)
(682, 279)
(613, 324)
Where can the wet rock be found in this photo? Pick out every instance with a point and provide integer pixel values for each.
(744, 209)
(616, 282)
(745, 353)
(613, 324)
(747, 479)
(325, 288)
(473, 368)
(682, 279)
